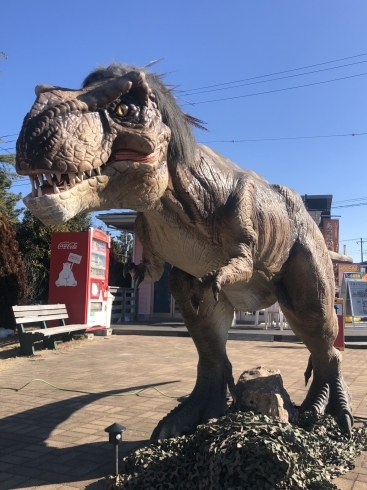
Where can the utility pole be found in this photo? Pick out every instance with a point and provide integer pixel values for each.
(361, 241)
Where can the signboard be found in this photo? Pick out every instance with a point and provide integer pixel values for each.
(352, 275)
(74, 258)
(331, 234)
(346, 268)
(358, 297)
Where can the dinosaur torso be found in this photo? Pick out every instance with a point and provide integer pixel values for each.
(199, 231)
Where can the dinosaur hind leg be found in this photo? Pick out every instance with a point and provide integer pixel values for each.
(306, 296)
(208, 329)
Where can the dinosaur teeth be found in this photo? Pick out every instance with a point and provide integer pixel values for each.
(98, 170)
(49, 179)
(58, 176)
(77, 180)
(56, 190)
(89, 172)
(71, 179)
(65, 186)
(39, 192)
(81, 176)
(33, 185)
(40, 178)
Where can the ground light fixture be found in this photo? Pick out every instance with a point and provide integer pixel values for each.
(115, 437)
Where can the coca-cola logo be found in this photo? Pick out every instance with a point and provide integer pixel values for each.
(68, 245)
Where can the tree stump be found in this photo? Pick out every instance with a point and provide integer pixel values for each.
(261, 390)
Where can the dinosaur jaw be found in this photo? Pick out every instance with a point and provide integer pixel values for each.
(56, 198)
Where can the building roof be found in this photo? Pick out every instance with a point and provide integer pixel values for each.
(123, 220)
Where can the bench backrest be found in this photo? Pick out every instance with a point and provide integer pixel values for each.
(39, 313)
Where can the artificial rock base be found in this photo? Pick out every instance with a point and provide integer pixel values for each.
(261, 390)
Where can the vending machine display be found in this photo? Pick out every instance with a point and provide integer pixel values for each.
(79, 275)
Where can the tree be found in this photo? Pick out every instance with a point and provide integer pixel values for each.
(116, 276)
(121, 248)
(3, 55)
(9, 200)
(13, 290)
(35, 246)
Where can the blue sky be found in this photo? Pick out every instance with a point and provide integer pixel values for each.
(205, 43)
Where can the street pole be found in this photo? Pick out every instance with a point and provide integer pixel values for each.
(361, 242)
(361, 250)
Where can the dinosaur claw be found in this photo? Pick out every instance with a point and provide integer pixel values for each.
(216, 290)
(346, 422)
(197, 294)
(308, 371)
(195, 304)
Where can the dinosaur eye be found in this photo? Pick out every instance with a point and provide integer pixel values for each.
(122, 110)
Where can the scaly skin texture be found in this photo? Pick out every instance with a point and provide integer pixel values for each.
(234, 240)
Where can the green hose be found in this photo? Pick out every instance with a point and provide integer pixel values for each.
(132, 393)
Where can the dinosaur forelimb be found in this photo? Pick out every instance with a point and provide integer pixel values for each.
(137, 272)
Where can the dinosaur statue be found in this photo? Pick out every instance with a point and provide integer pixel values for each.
(234, 241)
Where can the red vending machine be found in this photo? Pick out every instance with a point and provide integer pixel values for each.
(79, 275)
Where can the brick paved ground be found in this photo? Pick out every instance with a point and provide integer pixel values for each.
(55, 439)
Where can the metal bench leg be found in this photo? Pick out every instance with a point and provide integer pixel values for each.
(26, 345)
(49, 343)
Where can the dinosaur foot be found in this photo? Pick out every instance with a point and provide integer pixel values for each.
(195, 410)
(329, 394)
(207, 401)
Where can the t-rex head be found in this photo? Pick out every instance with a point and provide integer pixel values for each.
(107, 145)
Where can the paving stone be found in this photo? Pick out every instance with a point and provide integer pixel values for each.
(61, 437)
(12, 482)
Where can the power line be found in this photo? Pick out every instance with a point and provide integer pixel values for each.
(271, 79)
(351, 239)
(287, 138)
(349, 200)
(8, 135)
(275, 90)
(277, 73)
(350, 205)
(280, 139)
(4, 149)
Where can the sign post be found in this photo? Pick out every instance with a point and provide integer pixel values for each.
(339, 310)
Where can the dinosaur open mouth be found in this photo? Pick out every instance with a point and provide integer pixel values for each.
(55, 183)
(46, 183)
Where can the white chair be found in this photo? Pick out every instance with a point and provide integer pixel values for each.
(257, 317)
(274, 314)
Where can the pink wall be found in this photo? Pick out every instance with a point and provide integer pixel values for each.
(145, 290)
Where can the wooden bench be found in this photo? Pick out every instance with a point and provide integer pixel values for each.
(40, 315)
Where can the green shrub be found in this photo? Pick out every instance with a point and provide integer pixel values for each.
(13, 289)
